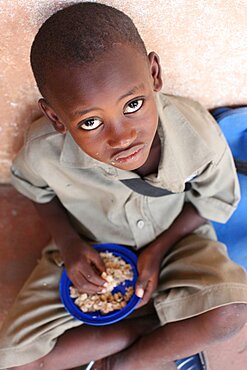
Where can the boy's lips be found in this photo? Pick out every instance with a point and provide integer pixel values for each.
(128, 154)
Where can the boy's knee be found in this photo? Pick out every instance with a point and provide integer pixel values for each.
(223, 322)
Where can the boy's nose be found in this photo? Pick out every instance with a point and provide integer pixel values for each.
(122, 138)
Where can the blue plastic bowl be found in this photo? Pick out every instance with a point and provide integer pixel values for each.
(97, 318)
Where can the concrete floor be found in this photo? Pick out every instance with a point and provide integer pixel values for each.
(22, 237)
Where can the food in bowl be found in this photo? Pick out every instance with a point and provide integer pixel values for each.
(117, 272)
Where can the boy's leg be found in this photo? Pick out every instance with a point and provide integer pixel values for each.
(85, 343)
(37, 316)
(180, 339)
(174, 340)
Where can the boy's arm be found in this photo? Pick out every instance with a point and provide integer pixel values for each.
(215, 195)
(186, 222)
(150, 259)
(83, 264)
(80, 259)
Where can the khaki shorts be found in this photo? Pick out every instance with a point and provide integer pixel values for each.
(196, 276)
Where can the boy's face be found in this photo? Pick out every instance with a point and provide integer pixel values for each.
(109, 106)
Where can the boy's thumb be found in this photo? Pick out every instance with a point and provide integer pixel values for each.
(139, 289)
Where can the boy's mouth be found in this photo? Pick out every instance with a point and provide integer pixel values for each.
(128, 154)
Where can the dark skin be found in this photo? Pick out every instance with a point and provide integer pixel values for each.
(112, 116)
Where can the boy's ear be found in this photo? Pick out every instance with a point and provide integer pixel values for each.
(51, 115)
(155, 69)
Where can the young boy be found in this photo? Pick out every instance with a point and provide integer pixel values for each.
(117, 161)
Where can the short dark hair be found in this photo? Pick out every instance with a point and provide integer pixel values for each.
(79, 34)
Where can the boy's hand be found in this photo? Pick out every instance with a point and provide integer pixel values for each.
(148, 266)
(84, 266)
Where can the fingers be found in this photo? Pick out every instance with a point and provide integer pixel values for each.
(147, 294)
(145, 288)
(84, 267)
(139, 291)
(92, 276)
(92, 270)
(89, 288)
(85, 285)
(98, 262)
(86, 278)
(140, 287)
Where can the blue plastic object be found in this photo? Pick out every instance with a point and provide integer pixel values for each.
(233, 123)
(97, 318)
(194, 362)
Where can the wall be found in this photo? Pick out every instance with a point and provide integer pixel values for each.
(202, 45)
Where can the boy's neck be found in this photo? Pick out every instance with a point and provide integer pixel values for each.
(152, 163)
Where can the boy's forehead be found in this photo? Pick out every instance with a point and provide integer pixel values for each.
(122, 68)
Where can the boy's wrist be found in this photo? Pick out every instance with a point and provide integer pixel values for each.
(162, 244)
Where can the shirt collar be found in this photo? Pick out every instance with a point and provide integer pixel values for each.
(72, 156)
(184, 151)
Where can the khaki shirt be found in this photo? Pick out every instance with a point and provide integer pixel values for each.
(104, 209)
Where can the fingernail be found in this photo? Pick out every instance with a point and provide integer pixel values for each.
(103, 291)
(105, 284)
(139, 292)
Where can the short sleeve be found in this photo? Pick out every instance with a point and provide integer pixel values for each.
(29, 183)
(215, 192)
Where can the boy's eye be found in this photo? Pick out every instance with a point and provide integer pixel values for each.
(133, 106)
(91, 124)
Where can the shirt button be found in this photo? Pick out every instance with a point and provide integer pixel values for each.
(140, 224)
